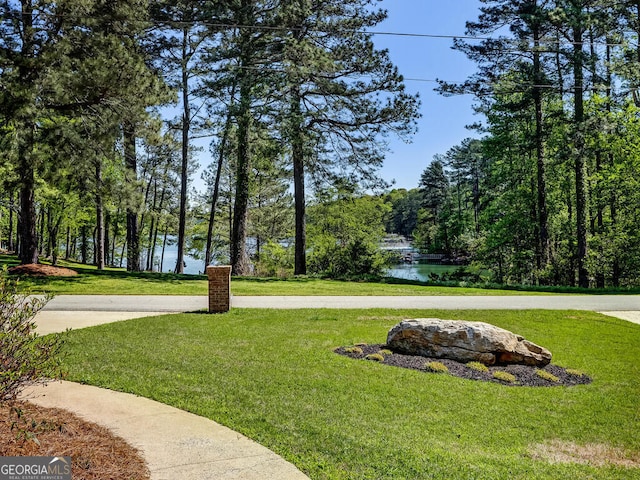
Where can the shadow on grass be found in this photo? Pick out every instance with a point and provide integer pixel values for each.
(85, 272)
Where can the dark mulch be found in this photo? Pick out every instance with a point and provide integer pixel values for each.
(525, 375)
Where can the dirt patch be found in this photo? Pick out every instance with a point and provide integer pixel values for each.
(96, 454)
(39, 270)
(524, 375)
(594, 454)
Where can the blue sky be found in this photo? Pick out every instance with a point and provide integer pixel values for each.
(443, 118)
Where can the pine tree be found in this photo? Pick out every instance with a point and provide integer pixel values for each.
(64, 60)
(343, 97)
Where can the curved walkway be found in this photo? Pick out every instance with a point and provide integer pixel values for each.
(174, 443)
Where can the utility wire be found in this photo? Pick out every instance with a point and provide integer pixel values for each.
(232, 26)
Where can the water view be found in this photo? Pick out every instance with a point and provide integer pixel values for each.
(419, 271)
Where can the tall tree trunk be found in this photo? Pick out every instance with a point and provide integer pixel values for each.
(100, 234)
(579, 147)
(131, 165)
(41, 228)
(543, 216)
(164, 245)
(67, 250)
(184, 173)
(152, 227)
(297, 152)
(28, 218)
(239, 258)
(216, 185)
(83, 245)
(27, 223)
(114, 241)
(10, 243)
(107, 221)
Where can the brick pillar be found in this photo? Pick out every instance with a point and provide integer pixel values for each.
(219, 288)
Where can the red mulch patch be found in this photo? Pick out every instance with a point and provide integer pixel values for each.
(96, 454)
(39, 270)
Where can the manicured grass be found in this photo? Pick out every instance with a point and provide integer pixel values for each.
(273, 376)
(111, 281)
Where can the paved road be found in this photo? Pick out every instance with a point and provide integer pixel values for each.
(149, 303)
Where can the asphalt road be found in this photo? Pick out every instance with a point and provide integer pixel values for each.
(150, 303)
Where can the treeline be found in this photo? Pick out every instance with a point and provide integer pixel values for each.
(291, 92)
(549, 195)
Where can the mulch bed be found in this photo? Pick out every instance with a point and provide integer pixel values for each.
(39, 270)
(96, 454)
(525, 375)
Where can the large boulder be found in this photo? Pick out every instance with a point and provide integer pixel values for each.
(465, 342)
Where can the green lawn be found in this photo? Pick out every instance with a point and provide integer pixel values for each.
(165, 284)
(113, 281)
(273, 376)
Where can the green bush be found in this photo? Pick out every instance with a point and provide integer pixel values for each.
(25, 358)
(376, 357)
(504, 376)
(356, 350)
(357, 258)
(480, 367)
(275, 260)
(436, 367)
(547, 376)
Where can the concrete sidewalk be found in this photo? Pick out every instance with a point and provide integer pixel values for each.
(150, 303)
(174, 443)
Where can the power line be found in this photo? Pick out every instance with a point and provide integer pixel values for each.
(232, 26)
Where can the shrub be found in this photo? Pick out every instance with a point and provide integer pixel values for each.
(504, 376)
(355, 259)
(436, 367)
(385, 352)
(480, 367)
(356, 350)
(25, 358)
(376, 357)
(275, 260)
(547, 376)
(576, 373)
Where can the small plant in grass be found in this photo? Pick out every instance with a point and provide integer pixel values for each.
(376, 357)
(547, 376)
(355, 350)
(504, 376)
(25, 358)
(480, 367)
(575, 373)
(436, 367)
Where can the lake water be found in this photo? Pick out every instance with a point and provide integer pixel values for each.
(406, 271)
(193, 266)
(419, 271)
